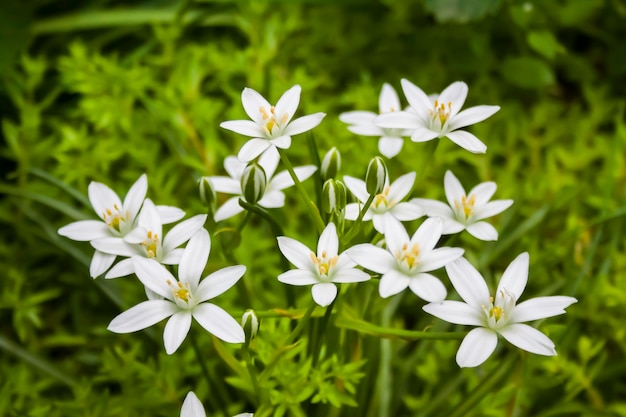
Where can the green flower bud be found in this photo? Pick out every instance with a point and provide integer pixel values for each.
(333, 196)
(253, 182)
(331, 164)
(207, 194)
(250, 324)
(376, 176)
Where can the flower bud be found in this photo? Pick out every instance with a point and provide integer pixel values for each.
(207, 194)
(376, 176)
(331, 164)
(250, 324)
(333, 196)
(253, 182)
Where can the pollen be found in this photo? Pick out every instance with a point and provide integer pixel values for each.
(441, 111)
(496, 312)
(151, 244)
(115, 218)
(382, 200)
(465, 207)
(409, 255)
(324, 264)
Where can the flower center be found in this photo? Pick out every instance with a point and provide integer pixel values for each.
(150, 245)
(324, 264)
(270, 120)
(409, 255)
(465, 206)
(381, 201)
(182, 293)
(498, 311)
(115, 218)
(441, 111)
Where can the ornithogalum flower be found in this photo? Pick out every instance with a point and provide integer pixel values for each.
(273, 196)
(466, 210)
(432, 118)
(322, 269)
(147, 240)
(387, 206)
(183, 298)
(501, 315)
(192, 407)
(362, 123)
(271, 126)
(407, 260)
(118, 219)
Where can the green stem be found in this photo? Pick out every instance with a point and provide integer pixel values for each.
(305, 319)
(315, 213)
(320, 334)
(357, 223)
(364, 327)
(254, 377)
(211, 380)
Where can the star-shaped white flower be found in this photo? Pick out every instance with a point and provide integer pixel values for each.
(183, 298)
(118, 219)
(466, 210)
(273, 197)
(322, 270)
(271, 126)
(362, 123)
(147, 240)
(387, 205)
(192, 407)
(406, 261)
(430, 119)
(500, 316)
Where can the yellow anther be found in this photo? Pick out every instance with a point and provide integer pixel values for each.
(109, 212)
(283, 120)
(263, 113)
(496, 312)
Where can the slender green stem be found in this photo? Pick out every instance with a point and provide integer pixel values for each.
(320, 334)
(364, 327)
(222, 397)
(243, 221)
(315, 213)
(305, 319)
(357, 223)
(254, 377)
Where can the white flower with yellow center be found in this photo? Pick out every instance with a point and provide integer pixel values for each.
(322, 269)
(465, 210)
(271, 126)
(184, 298)
(439, 116)
(362, 123)
(117, 219)
(496, 316)
(406, 261)
(387, 206)
(192, 407)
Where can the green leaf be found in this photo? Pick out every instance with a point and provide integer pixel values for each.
(527, 72)
(545, 43)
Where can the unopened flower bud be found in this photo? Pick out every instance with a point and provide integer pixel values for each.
(333, 196)
(207, 194)
(253, 182)
(250, 324)
(331, 164)
(376, 176)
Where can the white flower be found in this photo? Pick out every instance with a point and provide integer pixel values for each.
(440, 117)
(500, 316)
(147, 240)
(466, 211)
(184, 298)
(118, 219)
(271, 126)
(273, 197)
(321, 270)
(192, 407)
(362, 123)
(387, 205)
(406, 261)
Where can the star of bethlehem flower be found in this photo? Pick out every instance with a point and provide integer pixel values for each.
(322, 269)
(407, 260)
(362, 123)
(465, 210)
(183, 298)
(271, 126)
(435, 118)
(118, 219)
(273, 197)
(386, 205)
(147, 240)
(501, 315)
(192, 407)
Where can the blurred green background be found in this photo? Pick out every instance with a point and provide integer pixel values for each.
(103, 90)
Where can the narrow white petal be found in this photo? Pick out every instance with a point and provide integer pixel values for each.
(115, 246)
(102, 198)
(472, 115)
(170, 214)
(428, 234)
(491, 209)
(244, 127)
(352, 211)
(176, 330)
(136, 195)
(324, 293)
(282, 142)
(288, 103)
(183, 231)
(455, 312)
(380, 220)
(483, 231)
(295, 252)
(136, 236)
(388, 100)
(121, 269)
(328, 242)
(366, 130)
(217, 322)
(192, 407)
(356, 187)
(100, 262)
(142, 315)
(153, 275)
(483, 192)
(358, 117)
(453, 188)
(401, 187)
(272, 199)
(468, 282)
(347, 275)
(476, 347)
(467, 141)
(423, 134)
(283, 179)
(253, 148)
(451, 226)
(418, 100)
(528, 338)
(392, 283)
(372, 257)
(150, 219)
(173, 257)
(433, 208)
(390, 146)
(229, 209)
(428, 288)
(85, 230)
(395, 236)
(299, 277)
(219, 282)
(515, 276)
(225, 185)
(439, 257)
(252, 103)
(398, 120)
(455, 93)
(234, 167)
(540, 308)
(195, 257)
(406, 211)
(304, 124)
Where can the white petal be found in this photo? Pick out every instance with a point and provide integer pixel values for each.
(217, 322)
(515, 276)
(467, 141)
(358, 117)
(356, 187)
(423, 134)
(253, 148)
(433, 208)
(540, 308)
(183, 231)
(328, 242)
(398, 120)
(298, 277)
(85, 230)
(392, 283)
(244, 127)
(121, 269)
(472, 115)
(170, 214)
(389, 146)
(219, 282)
(347, 275)
(142, 315)
(401, 187)
(115, 246)
(195, 257)
(418, 100)
(225, 185)
(272, 199)
(455, 312)
(192, 407)
(483, 192)
(455, 93)
(176, 330)
(136, 236)
(438, 258)
(428, 234)
(372, 257)
(283, 179)
(428, 288)
(100, 262)
(295, 252)
(136, 195)
(352, 211)
(468, 282)
(453, 188)
(388, 100)
(229, 209)
(491, 209)
(324, 293)
(173, 257)
(395, 236)
(483, 231)
(288, 103)
(476, 347)
(406, 211)
(102, 198)
(528, 338)
(366, 130)
(252, 102)
(282, 142)
(304, 124)
(153, 275)
(150, 219)
(234, 167)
